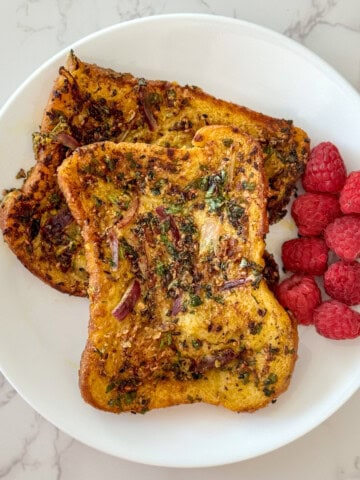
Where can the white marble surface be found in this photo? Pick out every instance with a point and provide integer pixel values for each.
(33, 30)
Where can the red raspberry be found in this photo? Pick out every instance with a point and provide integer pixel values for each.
(305, 255)
(342, 282)
(343, 236)
(300, 294)
(312, 212)
(336, 320)
(325, 171)
(350, 194)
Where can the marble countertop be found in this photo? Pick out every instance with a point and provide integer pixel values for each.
(31, 31)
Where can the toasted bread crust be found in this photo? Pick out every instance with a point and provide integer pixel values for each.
(89, 104)
(39, 228)
(183, 232)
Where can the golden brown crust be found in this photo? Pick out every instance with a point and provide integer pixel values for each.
(39, 228)
(179, 309)
(89, 104)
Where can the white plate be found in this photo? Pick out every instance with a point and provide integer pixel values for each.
(43, 332)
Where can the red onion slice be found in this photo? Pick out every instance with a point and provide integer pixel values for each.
(67, 140)
(60, 220)
(161, 211)
(174, 229)
(145, 103)
(128, 301)
(177, 306)
(129, 214)
(217, 359)
(238, 282)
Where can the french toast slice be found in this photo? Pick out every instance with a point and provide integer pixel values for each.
(174, 241)
(89, 104)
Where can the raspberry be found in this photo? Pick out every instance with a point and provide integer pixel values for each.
(312, 212)
(342, 282)
(343, 236)
(336, 320)
(350, 194)
(305, 255)
(300, 294)
(325, 171)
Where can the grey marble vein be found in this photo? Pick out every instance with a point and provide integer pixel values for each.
(40, 451)
(303, 27)
(59, 450)
(63, 8)
(7, 393)
(26, 5)
(19, 458)
(31, 30)
(206, 5)
(128, 10)
(354, 474)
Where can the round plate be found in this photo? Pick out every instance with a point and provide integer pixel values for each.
(43, 332)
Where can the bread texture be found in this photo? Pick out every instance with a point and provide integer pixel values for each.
(38, 226)
(179, 308)
(90, 104)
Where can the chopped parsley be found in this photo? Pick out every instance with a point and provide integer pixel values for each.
(227, 142)
(235, 213)
(248, 186)
(195, 300)
(166, 340)
(196, 344)
(161, 269)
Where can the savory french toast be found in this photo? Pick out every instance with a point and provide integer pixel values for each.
(89, 104)
(174, 241)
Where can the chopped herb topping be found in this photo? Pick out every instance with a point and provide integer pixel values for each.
(110, 163)
(166, 340)
(255, 328)
(248, 186)
(55, 199)
(130, 158)
(156, 189)
(245, 377)
(268, 391)
(174, 208)
(110, 387)
(127, 398)
(187, 226)
(171, 94)
(195, 300)
(215, 193)
(227, 142)
(235, 213)
(271, 379)
(197, 344)
(154, 98)
(219, 299)
(98, 201)
(161, 269)
(127, 250)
